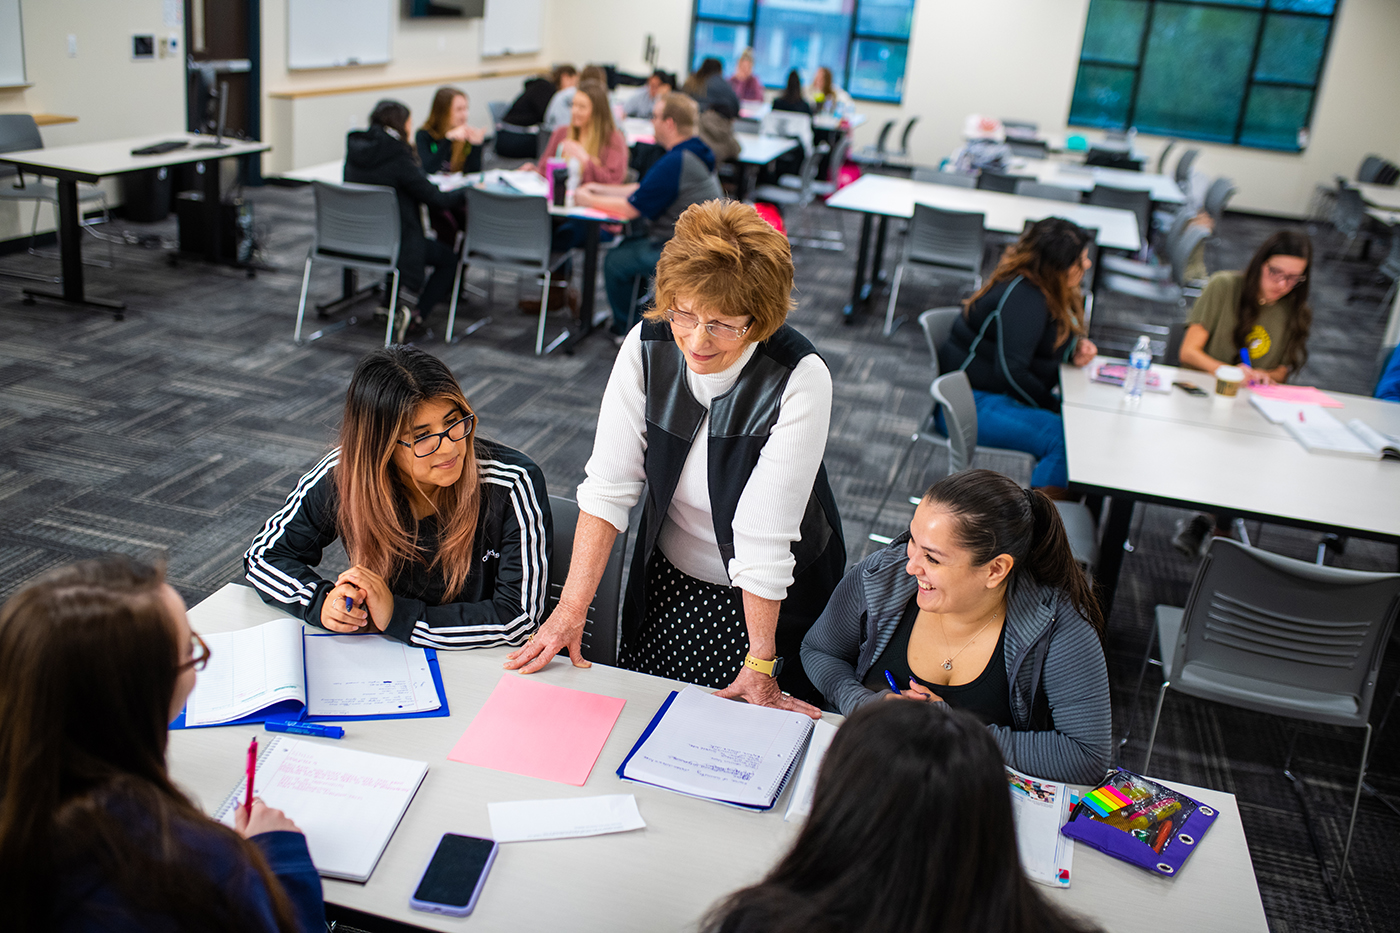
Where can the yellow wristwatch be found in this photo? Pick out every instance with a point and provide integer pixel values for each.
(768, 668)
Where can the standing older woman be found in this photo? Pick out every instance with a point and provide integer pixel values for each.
(721, 411)
(1026, 320)
(980, 606)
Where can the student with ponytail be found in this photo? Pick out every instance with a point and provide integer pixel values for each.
(448, 534)
(96, 659)
(979, 605)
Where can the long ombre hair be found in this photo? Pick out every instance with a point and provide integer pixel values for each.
(600, 129)
(376, 524)
(1043, 256)
(440, 121)
(89, 661)
(1284, 243)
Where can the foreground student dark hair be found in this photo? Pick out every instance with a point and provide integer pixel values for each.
(911, 830)
(95, 660)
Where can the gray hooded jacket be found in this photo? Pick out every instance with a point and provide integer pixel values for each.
(1042, 626)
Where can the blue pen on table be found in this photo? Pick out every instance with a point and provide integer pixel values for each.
(304, 728)
(889, 679)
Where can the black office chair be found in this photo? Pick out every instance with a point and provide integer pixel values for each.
(602, 634)
(997, 181)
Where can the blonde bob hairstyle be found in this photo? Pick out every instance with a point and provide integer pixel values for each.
(727, 261)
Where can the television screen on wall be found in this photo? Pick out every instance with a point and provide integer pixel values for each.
(416, 8)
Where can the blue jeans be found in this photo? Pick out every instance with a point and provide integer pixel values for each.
(632, 257)
(1004, 422)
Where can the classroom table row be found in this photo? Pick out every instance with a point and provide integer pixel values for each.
(691, 853)
(1219, 453)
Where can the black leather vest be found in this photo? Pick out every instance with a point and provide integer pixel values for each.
(740, 421)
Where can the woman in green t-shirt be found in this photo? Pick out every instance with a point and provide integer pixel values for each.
(1263, 311)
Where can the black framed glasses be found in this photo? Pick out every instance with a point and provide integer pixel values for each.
(721, 332)
(1283, 278)
(428, 444)
(199, 654)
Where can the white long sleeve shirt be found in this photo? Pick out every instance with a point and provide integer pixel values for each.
(769, 514)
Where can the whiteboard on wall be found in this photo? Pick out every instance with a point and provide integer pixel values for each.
(511, 27)
(11, 45)
(338, 33)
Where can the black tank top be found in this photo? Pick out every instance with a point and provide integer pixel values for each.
(987, 696)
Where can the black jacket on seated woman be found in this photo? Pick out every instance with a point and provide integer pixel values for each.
(384, 155)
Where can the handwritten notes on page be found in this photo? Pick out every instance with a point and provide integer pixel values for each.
(358, 675)
(539, 730)
(532, 820)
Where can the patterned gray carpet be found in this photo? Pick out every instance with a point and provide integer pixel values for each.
(182, 428)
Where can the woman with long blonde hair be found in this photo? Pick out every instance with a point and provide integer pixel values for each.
(446, 141)
(448, 534)
(591, 138)
(1027, 319)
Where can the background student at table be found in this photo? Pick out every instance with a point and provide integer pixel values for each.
(791, 98)
(449, 534)
(685, 175)
(826, 94)
(529, 108)
(744, 82)
(911, 829)
(719, 409)
(590, 138)
(558, 113)
(710, 91)
(447, 143)
(97, 659)
(658, 85)
(383, 155)
(1011, 338)
(979, 605)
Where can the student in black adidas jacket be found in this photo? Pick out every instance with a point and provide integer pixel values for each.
(449, 535)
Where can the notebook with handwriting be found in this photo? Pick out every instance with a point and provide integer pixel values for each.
(347, 802)
(722, 750)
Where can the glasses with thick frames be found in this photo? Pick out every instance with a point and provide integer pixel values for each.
(1284, 278)
(428, 444)
(199, 654)
(721, 332)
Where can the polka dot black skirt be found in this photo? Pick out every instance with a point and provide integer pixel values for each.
(694, 631)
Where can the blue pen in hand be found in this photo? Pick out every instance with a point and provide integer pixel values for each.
(1244, 358)
(349, 604)
(889, 679)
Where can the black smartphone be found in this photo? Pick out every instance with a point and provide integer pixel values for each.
(1190, 388)
(453, 880)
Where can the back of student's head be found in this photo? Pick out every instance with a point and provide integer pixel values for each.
(910, 829)
(793, 91)
(89, 658)
(561, 72)
(595, 73)
(384, 394)
(391, 115)
(992, 515)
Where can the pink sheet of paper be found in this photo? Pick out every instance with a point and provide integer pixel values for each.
(1298, 395)
(539, 730)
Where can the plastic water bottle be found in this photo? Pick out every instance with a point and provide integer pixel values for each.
(1139, 365)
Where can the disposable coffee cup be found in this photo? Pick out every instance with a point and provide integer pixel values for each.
(1228, 380)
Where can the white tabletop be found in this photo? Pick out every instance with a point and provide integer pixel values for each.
(1386, 197)
(333, 172)
(753, 148)
(1005, 213)
(91, 161)
(1221, 452)
(692, 852)
(1389, 218)
(1163, 188)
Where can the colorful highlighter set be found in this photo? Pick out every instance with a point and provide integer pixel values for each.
(1140, 821)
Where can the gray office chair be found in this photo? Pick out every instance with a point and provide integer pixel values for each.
(999, 181)
(602, 633)
(1162, 157)
(1174, 291)
(934, 176)
(1281, 636)
(1348, 216)
(788, 125)
(1217, 196)
(1152, 270)
(1127, 199)
(508, 231)
(948, 240)
(19, 133)
(953, 393)
(1031, 188)
(1390, 265)
(1183, 167)
(828, 186)
(784, 195)
(356, 226)
(875, 155)
(1377, 171)
(900, 156)
(1028, 148)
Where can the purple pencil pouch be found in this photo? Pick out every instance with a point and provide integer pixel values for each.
(1140, 821)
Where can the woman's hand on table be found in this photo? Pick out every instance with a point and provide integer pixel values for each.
(762, 690)
(1084, 352)
(562, 630)
(378, 600)
(916, 691)
(336, 618)
(1257, 377)
(261, 819)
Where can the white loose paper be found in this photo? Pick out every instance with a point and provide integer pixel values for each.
(531, 820)
(800, 803)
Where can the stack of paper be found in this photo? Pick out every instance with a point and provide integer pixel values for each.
(1320, 432)
(720, 750)
(1041, 808)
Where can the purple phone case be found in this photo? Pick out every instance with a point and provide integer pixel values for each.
(1120, 844)
(448, 909)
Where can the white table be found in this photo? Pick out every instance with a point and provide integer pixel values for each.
(1163, 188)
(755, 150)
(1386, 197)
(664, 877)
(330, 172)
(91, 162)
(886, 196)
(1214, 452)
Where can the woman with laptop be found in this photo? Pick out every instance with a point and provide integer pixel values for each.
(981, 606)
(98, 658)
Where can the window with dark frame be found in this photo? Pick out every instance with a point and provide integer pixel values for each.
(865, 43)
(1239, 72)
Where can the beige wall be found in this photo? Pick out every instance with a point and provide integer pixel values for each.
(111, 95)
